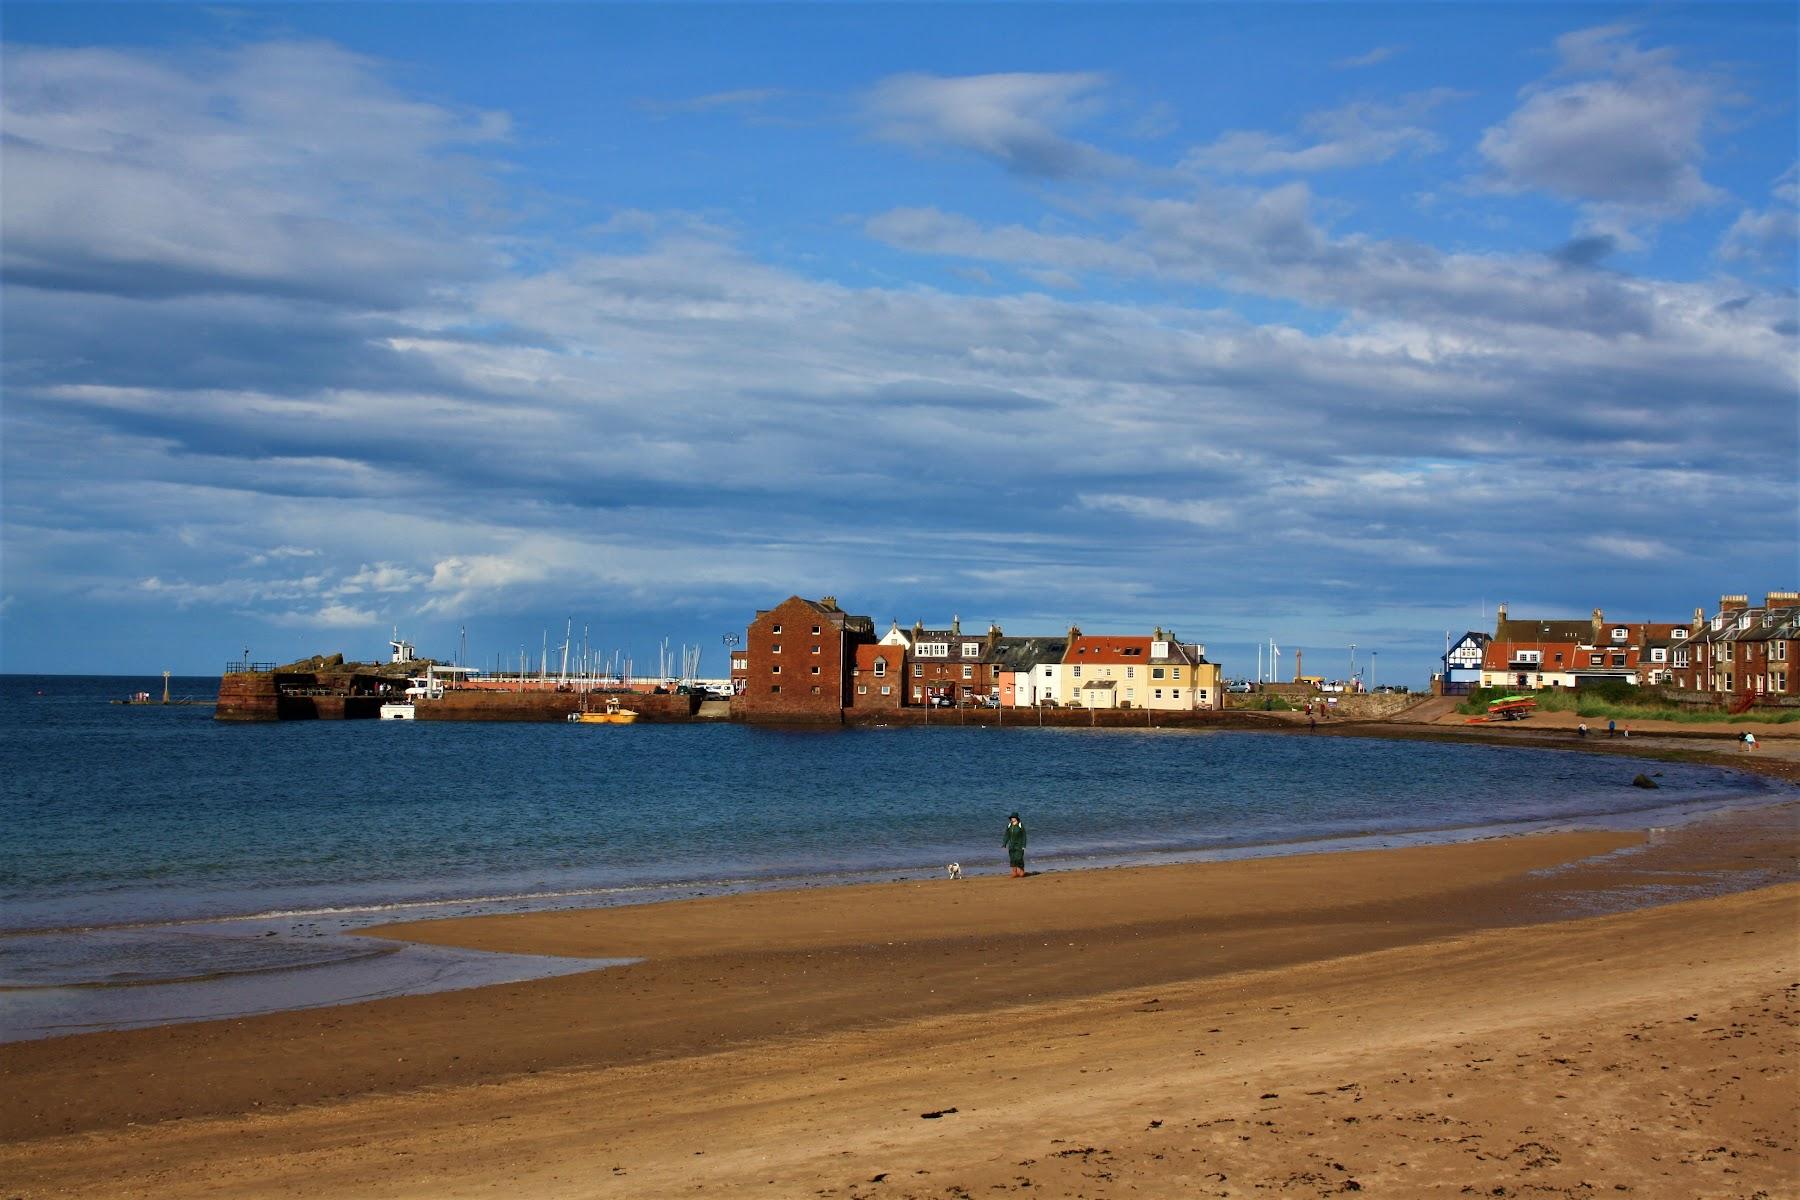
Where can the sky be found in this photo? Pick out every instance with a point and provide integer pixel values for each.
(1335, 325)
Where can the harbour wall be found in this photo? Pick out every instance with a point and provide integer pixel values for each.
(481, 705)
(299, 696)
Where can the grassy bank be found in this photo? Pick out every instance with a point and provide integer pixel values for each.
(1622, 702)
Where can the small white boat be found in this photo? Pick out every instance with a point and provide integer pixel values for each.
(394, 710)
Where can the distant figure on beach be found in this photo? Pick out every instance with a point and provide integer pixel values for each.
(1581, 729)
(1612, 728)
(1749, 741)
(1014, 841)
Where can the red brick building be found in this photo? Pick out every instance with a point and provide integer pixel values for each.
(1743, 651)
(950, 666)
(799, 661)
(878, 679)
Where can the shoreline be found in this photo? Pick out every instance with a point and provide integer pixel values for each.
(788, 1042)
(308, 976)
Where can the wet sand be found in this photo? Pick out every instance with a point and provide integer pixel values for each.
(1438, 1020)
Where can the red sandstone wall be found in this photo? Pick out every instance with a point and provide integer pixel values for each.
(247, 697)
(474, 705)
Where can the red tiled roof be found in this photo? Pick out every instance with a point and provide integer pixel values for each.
(1101, 649)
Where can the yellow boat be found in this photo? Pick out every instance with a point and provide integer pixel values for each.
(613, 715)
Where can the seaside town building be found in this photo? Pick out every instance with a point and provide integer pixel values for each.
(1534, 654)
(1138, 672)
(947, 666)
(879, 677)
(1743, 652)
(1462, 663)
(1029, 669)
(799, 661)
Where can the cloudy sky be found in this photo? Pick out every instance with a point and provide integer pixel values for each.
(1329, 324)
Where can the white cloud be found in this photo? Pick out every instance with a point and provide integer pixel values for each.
(283, 168)
(1766, 238)
(380, 577)
(326, 616)
(1354, 135)
(1017, 120)
(1617, 128)
(1379, 54)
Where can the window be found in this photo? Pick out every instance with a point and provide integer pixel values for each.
(880, 667)
(968, 671)
(1679, 634)
(815, 670)
(775, 629)
(1781, 651)
(1658, 654)
(815, 631)
(971, 649)
(1156, 693)
(1078, 672)
(1620, 633)
(918, 672)
(775, 649)
(886, 690)
(815, 649)
(917, 695)
(815, 691)
(774, 688)
(1594, 660)
(1131, 693)
(1156, 672)
(1780, 678)
(862, 689)
(1130, 672)
(1175, 694)
(1681, 658)
(1175, 673)
(775, 670)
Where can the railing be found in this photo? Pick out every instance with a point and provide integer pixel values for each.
(248, 668)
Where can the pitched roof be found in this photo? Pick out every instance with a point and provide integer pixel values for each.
(1024, 653)
(1091, 648)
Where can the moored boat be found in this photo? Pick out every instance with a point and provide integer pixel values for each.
(612, 714)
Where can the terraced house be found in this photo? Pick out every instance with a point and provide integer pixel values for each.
(1743, 653)
(1155, 672)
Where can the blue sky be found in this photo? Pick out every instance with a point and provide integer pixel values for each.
(1330, 324)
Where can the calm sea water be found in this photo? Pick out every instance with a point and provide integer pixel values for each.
(151, 847)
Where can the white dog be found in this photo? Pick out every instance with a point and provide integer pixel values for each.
(954, 870)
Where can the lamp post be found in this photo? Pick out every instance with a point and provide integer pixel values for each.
(730, 640)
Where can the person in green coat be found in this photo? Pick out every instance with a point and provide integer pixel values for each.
(1014, 841)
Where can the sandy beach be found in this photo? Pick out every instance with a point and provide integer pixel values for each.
(1570, 1014)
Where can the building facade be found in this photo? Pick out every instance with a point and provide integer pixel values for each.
(799, 661)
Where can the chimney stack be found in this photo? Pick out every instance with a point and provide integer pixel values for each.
(1599, 620)
(1734, 603)
(1781, 600)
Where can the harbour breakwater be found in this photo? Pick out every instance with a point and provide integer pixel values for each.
(276, 695)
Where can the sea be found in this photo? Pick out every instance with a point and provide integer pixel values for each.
(158, 866)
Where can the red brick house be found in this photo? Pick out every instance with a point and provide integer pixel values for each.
(800, 660)
(878, 679)
(1743, 651)
(948, 665)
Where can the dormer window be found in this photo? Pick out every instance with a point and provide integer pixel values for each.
(1679, 634)
(1621, 633)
